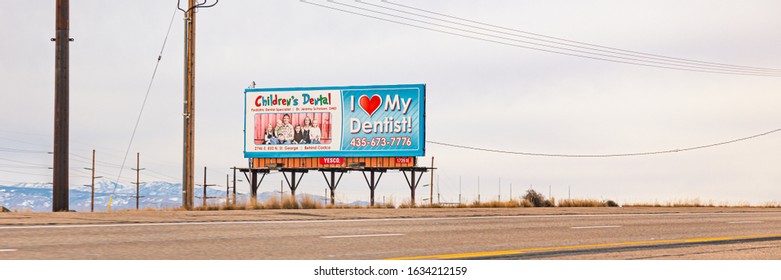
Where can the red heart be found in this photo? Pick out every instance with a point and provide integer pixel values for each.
(370, 105)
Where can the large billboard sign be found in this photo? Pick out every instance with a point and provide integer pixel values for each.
(351, 121)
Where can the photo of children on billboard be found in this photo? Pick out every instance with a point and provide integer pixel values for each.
(292, 128)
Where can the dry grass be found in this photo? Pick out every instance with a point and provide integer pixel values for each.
(405, 204)
(307, 202)
(501, 204)
(771, 204)
(695, 202)
(586, 203)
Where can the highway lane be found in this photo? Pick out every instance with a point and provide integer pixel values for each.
(709, 235)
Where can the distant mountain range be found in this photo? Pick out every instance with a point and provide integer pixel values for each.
(37, 197)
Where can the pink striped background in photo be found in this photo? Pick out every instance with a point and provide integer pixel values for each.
(262, 121)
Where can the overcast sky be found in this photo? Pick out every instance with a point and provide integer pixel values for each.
(479, 93)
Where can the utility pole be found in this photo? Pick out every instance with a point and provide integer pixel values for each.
(431, 184)
(500, 189)
(92, 186)
(478, 189)
(227, 189)
(61, 107)
(92, 196)
(511, 191)
(205, 186)
(438, 202)
(189, 107)
(234, 184)
(138, 177)
(459, 189)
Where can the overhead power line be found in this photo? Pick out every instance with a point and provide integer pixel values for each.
(501, 37)
(146, 96)
(25, 151)
(643, 54)
(602, 155)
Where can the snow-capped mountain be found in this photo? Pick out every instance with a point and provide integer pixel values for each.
(37, 197)
(158, 195)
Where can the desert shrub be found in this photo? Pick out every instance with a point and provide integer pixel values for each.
(537, 199)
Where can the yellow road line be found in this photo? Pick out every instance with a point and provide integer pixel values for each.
(581, 247)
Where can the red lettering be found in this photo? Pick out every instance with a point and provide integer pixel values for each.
(258, 101)
(331, 160)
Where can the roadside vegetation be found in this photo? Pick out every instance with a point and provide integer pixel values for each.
(531, 198)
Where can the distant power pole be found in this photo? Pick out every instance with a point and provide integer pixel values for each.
(227, 189)
(138, 177)
(92, 196)
(61, 107)
(478, 189)
(234, 185)
(92, 186)
(204, 187)
(431, 184)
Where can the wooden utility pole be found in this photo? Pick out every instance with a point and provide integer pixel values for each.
(92, 196)
(431, 184)
(61, 107)
(92, 186)
(189, 108)
(234, 185)
(138, 177)
(478, 189)
(227, 189)
(204, 186)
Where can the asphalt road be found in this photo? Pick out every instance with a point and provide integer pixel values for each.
(409, 234)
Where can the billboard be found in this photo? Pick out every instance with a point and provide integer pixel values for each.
(350, 121)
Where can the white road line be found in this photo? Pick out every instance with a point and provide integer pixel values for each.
(8, 250)
(362, 235)
(589, 227)
(364, 220)
(746, 222)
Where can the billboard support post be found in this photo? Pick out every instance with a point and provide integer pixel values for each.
(252, 179)
(413, 180)
(293, 182)
(372, 182)
(333, 182)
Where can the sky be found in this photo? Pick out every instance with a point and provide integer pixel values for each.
(479, 93)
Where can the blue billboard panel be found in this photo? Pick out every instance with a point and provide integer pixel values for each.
(352, 121)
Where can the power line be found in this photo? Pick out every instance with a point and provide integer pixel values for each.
(14, 150)
(542, 47)
(146, 96)
(643, 54)
(588, 53)
(603, 155)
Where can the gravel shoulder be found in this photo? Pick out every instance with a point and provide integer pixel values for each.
(173, 216)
